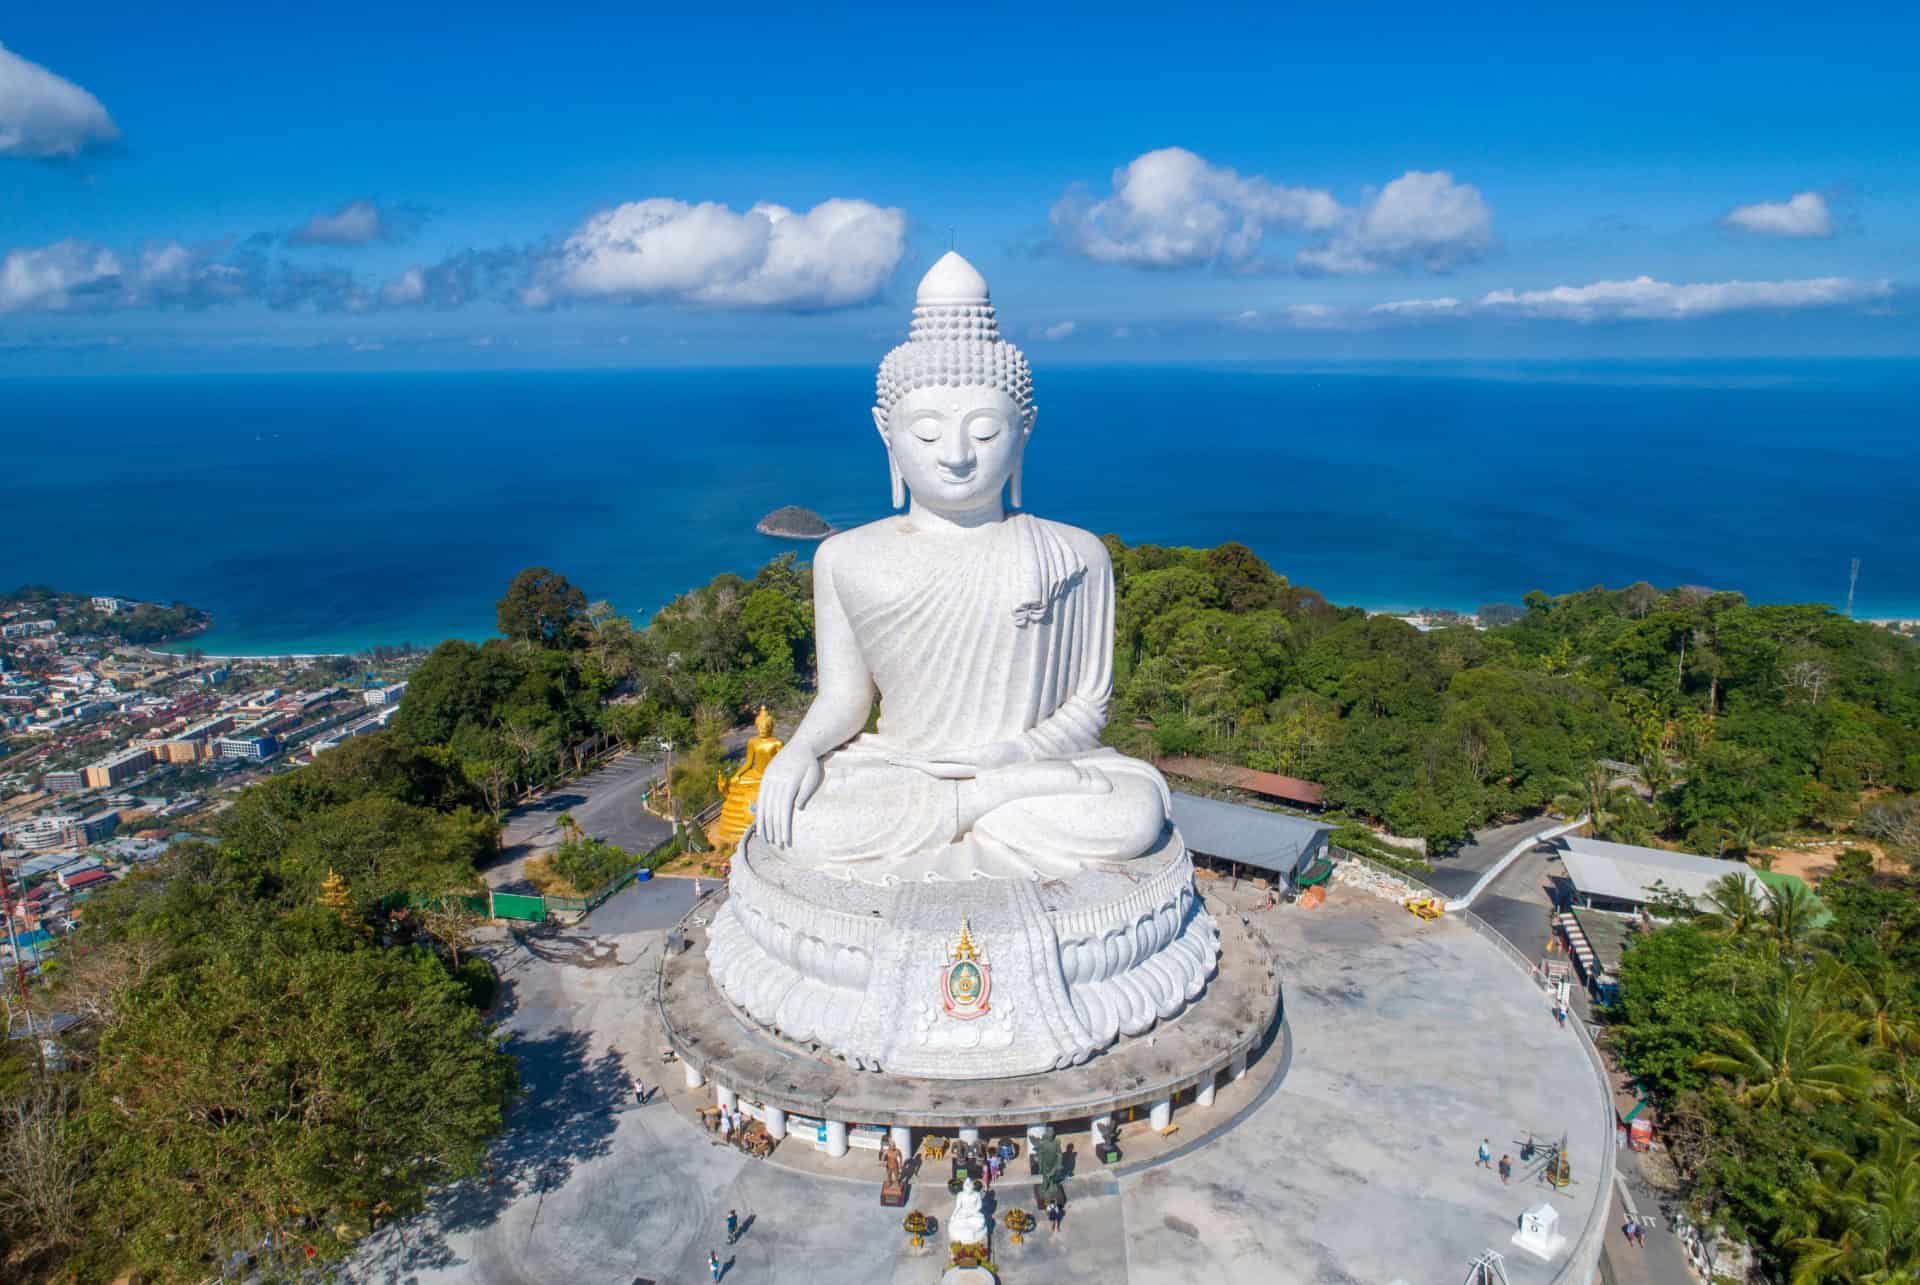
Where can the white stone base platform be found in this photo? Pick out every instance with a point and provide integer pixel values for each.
(776, 1079)
(1056, 969)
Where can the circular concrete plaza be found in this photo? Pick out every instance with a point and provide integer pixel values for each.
(1344, 1154)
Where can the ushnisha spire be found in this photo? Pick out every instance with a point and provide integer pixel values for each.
(955, 340)
(953, 303)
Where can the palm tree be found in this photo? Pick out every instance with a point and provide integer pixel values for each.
(1737, 906)
(1656, 770)
(1882, 998)
(1748, 831)
(1863, 1223)
(1799, 1052)
(1791, 911)
(1591, 795)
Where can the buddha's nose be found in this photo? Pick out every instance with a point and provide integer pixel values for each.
(956, 454)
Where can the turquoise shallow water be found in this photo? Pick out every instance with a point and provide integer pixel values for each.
(328, 512)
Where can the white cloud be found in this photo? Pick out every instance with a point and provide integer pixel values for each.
(1172, 209)
(56, 277)
(838, 254)
(76, 276)
(45, 116)
(408, 288)
(1643, 298)
(355, 223)
(1059, 330)
(1804, 215)
(1421, 217)
(1416, 308)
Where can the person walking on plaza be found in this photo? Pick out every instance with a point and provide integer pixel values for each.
(733, 1226)
(1506, 1169)
(639, 1091)
(1485, 1160)
(726, 1129)
(713, 1266)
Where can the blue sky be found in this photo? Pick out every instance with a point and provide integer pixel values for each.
(226, 186)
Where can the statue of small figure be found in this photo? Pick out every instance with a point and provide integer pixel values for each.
(890, 1157)
(967, 1225)
(1046, 1157)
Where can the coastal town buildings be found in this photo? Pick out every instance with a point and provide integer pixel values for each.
(109, 752)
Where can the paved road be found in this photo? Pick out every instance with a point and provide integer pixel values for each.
(605, 803)
(1456, 874)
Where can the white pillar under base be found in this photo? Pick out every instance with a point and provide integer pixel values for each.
(1203, 1092)
(694, 1078)
(1162, 1114)
(969, 1134)
(836, 1138)
(1239, 1067)
(776, 1123)
(725, 1098)
(902, 1138)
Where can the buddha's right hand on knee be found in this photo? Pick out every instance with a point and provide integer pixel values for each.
(790, 781)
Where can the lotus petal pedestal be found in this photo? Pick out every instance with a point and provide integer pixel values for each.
(965, 980)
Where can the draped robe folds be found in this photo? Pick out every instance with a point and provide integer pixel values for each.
(1005, 635)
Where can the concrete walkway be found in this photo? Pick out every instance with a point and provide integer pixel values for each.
(1411, 1041)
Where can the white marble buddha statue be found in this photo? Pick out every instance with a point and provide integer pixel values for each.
(988, 634)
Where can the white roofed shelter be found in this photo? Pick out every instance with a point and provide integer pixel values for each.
(1622, 876)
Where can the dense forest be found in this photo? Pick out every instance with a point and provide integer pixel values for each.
(269, 1053)
(1743, 721)
(1780, 1037)
(279, 1047)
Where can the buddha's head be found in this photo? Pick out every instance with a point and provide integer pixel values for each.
(955, 402)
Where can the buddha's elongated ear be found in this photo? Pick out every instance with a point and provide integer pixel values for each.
(893, 468)
(1020, 453)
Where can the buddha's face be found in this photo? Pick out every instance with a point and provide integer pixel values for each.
(955, 447)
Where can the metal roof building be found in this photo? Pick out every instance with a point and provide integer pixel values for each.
(1620, 876)
(1250, 836)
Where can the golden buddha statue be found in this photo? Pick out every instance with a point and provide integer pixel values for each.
(739, 793)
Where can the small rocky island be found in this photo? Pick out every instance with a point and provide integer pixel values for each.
(794, 523)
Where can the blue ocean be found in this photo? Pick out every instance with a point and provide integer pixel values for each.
(333, 512)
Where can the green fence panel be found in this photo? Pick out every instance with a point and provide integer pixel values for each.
(507, 905)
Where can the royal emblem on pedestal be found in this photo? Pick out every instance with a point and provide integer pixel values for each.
(965, 979)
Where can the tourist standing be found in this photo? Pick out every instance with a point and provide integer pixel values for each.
(733, 1226)
(1485, 1159)
(696, 890)
(639, 1091)
(713, 1266)
(726, 1131)
(1506, 1169)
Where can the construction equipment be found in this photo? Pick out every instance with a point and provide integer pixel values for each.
(1424, 907)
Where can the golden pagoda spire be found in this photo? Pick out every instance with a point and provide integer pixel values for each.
(965, 949)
